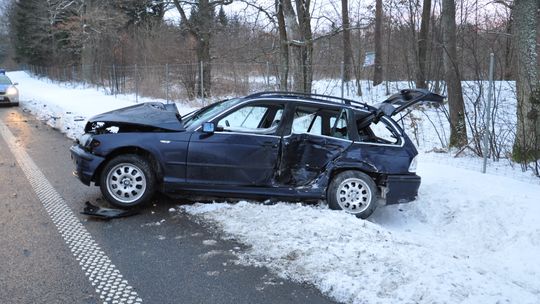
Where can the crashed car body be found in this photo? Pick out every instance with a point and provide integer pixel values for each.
(270, 145)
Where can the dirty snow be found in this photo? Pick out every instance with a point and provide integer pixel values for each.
(468, 238)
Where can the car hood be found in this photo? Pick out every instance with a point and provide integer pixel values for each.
(149, 114)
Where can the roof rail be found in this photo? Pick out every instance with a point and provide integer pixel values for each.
(314, 96)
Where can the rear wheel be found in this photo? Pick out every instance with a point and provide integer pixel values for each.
(354, 192)
(127, 181)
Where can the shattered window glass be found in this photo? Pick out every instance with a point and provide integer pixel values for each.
(327, 122)
(379, 132)
(306, 123)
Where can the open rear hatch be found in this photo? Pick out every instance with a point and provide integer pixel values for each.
(407, 98)
(398, 102)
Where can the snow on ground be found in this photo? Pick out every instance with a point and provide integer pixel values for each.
(66, 107)
(468, 238)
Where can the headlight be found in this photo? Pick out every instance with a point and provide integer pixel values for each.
(412, 166)
(85, 139)
(12, 91)
(88, 142)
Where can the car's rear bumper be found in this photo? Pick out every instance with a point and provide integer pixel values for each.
(401, 188)
(86, 164)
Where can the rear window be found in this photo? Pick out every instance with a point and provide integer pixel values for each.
(381, 133)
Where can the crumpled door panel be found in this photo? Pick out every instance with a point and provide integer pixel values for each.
(305, 156)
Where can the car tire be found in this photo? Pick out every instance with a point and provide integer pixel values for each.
(354, 192)
(127, 181)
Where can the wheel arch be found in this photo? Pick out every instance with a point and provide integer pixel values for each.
(156, 166)
(363, 167)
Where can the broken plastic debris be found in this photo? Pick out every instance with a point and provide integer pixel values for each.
(106, 213)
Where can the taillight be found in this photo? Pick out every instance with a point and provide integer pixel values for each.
(412, 166)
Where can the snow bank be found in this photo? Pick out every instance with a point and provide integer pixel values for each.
(67, 108)
(469, 238)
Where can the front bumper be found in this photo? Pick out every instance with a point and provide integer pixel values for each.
(401, 188)
(86, 164)
(9, 100)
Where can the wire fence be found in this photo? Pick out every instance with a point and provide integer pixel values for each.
(203, 81)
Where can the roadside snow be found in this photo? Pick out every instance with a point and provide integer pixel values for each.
(67, 108)
(469, 238)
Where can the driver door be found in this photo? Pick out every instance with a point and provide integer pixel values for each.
(244, 152)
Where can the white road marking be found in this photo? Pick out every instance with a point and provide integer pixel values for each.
(96, 265)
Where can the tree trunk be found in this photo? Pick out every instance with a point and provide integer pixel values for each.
(283, 48)
(300, 44)
(527, 142)
(458, 128)
(423, 45)
(347, 48)
(205, 24)
(378, 72)
(203, 55)
(304, 20)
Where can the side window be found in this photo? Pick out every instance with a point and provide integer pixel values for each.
(317, 121)
(306, 122)
(253, 118)
(381, 133)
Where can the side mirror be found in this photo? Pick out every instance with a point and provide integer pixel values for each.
(208, 127)
(15, 83)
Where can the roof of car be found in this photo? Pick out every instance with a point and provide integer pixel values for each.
(332, 100)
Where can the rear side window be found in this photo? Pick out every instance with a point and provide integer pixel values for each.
(320, 121)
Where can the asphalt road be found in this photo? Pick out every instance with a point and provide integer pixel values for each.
(175, 261)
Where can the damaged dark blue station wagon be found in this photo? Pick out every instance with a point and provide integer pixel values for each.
(270, 145)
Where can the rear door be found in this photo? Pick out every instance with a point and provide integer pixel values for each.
(318, 135)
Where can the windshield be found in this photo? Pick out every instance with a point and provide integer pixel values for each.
(208, 112)
(4, 79)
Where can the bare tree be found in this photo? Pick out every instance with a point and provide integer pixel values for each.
(458, 128)
(347, 48)
(300, 40)
(527, 142)
(378, 72)
(283, 47)
(200, 26)
(423, 45)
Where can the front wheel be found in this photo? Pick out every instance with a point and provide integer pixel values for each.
(127, 181)
(354, 192)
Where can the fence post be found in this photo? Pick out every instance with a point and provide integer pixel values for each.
(114, 80)
(201, 76)
(488, 111)
(167, 82)
(136, 83)
(342, 78)
(267, 74)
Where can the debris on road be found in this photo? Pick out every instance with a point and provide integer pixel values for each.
(106, 213)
